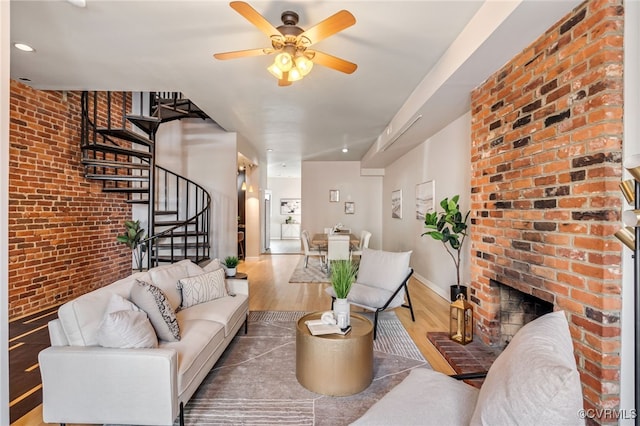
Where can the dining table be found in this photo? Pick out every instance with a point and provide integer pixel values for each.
(321, 240)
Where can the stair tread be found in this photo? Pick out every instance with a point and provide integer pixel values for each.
(114, 164)
(181, 245)
(194, 259)
(119, 178)
(173, 222)
(114, 149)
(145, 123)
(126, 190)
(137, 201)
(183, 234)
(165, 212)
(125, 134)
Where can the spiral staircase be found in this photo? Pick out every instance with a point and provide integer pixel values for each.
(118, 149)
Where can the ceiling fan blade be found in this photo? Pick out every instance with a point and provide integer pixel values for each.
(244, 53)
(251, 15)
(331, 61)
(333, 24)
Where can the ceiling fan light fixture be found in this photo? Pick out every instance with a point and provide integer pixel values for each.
(304, 65)
(284, 62)
(275, 71)
(294, 75)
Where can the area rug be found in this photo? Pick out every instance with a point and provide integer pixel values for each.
(313, 273)
(254, 382)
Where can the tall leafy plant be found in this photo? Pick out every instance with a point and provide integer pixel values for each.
(343, 274)
(134, 239)
(449, 227)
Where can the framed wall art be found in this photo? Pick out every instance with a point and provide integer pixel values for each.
(396, 204)
(425, 197)
(349, 207)
(290, 206)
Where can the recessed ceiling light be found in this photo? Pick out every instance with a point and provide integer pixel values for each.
(345, 150)
(24, 79)
(78, 3)
(269, 150)
(23, 47)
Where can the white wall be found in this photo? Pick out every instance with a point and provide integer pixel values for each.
(207, 155)
(282, 187)
(444, 158)
(4, 211)
(318, 177)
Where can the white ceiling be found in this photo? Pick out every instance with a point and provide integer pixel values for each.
(414, 58)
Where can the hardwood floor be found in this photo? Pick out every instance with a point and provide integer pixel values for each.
(270, 290)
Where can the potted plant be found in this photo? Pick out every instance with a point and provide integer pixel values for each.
(449, 227)
(231, 263)
(134, 239)
(343, 274)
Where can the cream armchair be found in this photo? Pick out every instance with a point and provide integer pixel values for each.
(381, 283)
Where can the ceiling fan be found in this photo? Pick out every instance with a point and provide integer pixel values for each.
(291, 43)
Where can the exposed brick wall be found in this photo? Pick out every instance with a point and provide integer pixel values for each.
(546, 164)
(62, 227)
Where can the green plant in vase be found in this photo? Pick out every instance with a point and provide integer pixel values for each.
(231, 263)
(449, 227)
(343, 274)
(134, 239)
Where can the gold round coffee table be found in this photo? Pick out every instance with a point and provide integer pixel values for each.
(333, 364)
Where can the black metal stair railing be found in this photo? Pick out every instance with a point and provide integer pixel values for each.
(124, 161)
(182, 218)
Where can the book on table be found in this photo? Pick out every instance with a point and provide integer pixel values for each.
(318, 328)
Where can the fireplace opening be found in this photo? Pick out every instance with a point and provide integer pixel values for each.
(517, 309)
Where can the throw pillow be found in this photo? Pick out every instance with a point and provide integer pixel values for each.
(202, 288)
(166, 279)
(213, 265)
(153, 301)
(127, 329)
(534, 381)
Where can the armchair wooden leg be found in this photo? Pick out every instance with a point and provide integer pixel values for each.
(181, 414)
(246, 324)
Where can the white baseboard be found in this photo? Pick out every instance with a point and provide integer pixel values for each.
(437, 289)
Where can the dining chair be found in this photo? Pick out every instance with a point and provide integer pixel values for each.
(338, 248)
(309, 251)
(365, 236)
(328, 231)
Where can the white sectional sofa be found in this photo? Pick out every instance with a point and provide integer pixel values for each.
(130, 354)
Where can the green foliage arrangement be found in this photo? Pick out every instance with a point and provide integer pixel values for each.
(231, 261)
(450, 227)
(134, 239)
(343, 274)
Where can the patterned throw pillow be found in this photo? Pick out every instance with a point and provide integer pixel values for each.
(152, 300)
(202, 288)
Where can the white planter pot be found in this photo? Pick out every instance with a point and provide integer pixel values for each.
(231, 272)
(342, 310)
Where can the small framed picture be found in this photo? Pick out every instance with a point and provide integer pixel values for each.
(334, 195)
(396, 204)
(349, 207)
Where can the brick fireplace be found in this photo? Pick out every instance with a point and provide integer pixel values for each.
(546, 164)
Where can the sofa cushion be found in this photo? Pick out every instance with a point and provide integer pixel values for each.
(153, 301)
(199, 341)
(534, 381)
(202, 288)
(127, 329)
(424, 397)
(81, 317)
(166, 278)
(228, 311)
(124, 325)
(383, 269)
(213, 265)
